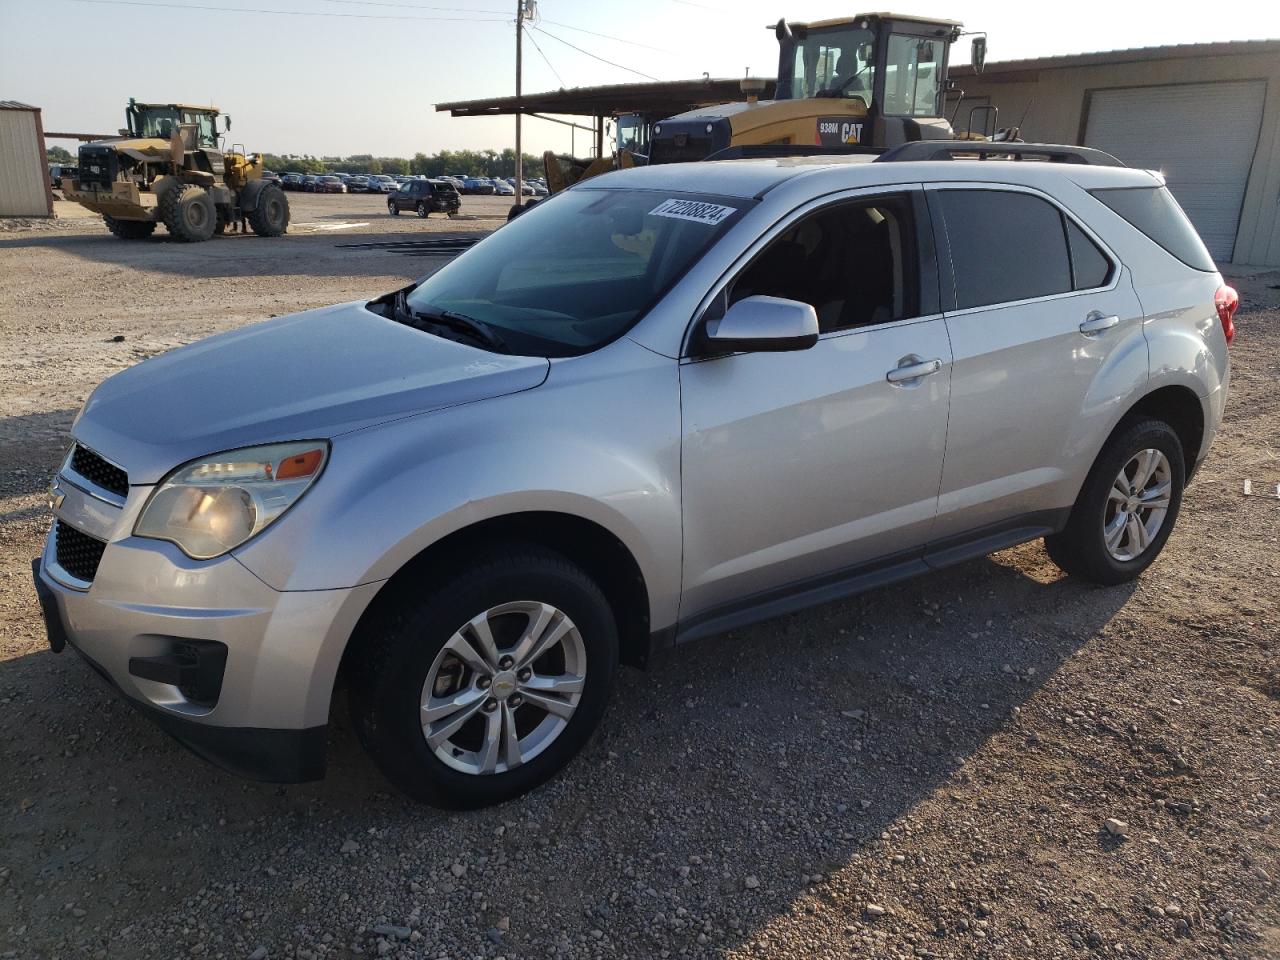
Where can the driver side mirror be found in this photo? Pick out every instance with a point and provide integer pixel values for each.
(764, 324)
(978, 53)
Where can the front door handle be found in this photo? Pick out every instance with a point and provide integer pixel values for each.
(1096, 322)
(913, 368)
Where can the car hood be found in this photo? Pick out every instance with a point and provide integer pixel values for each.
(307, 376)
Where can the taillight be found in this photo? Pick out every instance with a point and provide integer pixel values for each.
(1227, 301)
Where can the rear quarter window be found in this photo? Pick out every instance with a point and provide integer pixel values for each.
(1153, 211)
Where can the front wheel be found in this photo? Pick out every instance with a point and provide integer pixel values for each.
(392, 209)
(485, 684)
(270, 217)
(130, 229)
(1127, 507)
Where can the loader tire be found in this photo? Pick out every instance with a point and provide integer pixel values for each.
(189, 213)
(130, 229)
(270, 218)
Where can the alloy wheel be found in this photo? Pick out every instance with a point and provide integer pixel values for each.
(1137, 504)
(503, 688)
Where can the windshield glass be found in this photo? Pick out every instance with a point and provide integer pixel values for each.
(578, 270)
(913, 77)
(158, 123)
(837, 62)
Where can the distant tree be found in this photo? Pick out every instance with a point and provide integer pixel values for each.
(60, 155)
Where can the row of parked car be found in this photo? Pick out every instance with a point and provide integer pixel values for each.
(382, 183)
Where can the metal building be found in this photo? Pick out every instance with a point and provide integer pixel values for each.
(1206, 115)
(24, 169)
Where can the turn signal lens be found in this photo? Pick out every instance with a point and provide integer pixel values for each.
(1227, 302)
(300, 465)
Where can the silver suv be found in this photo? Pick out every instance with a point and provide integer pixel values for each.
(667, 402)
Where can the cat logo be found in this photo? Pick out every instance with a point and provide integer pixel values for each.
(839, 132)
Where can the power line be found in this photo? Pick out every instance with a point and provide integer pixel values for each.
(603, 36)
(286, 13)
(412, 6)
(544, 56)
(592, 55)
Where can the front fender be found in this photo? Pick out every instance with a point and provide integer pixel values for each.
(599, 440)
(250, 194)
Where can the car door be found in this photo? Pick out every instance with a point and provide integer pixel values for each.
(810, 466)
(1047, 338)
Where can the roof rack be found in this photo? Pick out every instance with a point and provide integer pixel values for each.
(988, 150)
(755, 151)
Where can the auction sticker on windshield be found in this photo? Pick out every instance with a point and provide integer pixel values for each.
(695, 210)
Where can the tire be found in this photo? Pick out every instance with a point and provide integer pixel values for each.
(405, 644)
(270, 216)
(1082, 549)
(130, 229)
(393, 209)
(189, 213)
(423, 211)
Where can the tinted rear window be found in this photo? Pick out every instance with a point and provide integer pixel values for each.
(1089, 265)
(1004, 247)
(1154, 211)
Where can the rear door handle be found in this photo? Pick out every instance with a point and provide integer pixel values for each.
(1096, 322)
(913, 368)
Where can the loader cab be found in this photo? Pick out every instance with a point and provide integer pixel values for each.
(895, 66)
(633, 136)
(162, 120)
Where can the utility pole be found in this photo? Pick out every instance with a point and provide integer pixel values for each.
(520, 8)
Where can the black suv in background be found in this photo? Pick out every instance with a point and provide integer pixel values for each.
(424, 196)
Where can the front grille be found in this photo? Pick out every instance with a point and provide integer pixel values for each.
(97, 470)
(77, 553)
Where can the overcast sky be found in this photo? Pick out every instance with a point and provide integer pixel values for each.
(335, 77)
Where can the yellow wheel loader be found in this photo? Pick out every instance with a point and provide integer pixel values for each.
(166, 167)
(874, 80)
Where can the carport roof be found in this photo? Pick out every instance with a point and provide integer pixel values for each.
(1132, 55)
(665, 98)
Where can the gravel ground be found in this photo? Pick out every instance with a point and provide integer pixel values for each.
(923, 771)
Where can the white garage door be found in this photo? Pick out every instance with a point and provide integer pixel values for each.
(1201, 135)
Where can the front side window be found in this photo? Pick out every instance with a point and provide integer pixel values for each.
(579, 270)
(405, 187)
(1004, 246)
(913, 77)
(853, 262)
(833, 63)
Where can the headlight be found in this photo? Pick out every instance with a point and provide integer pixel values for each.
(213, 505)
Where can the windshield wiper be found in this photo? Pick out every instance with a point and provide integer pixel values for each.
(457, 322)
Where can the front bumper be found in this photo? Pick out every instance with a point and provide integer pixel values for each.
(276, 756)
(149, 606)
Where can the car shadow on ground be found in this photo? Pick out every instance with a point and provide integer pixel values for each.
(31, 449)
(298, 253)
(804, 738)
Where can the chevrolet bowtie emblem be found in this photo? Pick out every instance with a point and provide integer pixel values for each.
(56, 496)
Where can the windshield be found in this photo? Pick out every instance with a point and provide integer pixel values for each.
(579, 269)
(837, 62)
(913, 77)
(158, 123)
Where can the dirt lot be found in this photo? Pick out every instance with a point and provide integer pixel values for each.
(947, 750)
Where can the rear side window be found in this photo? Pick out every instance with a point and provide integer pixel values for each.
(1154, 211)
(1004, 246)
(1089, 266)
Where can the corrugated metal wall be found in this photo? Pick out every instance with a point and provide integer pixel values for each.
(22, 173)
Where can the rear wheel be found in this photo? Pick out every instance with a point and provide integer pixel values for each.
(270, 217)
(130, 229)
(423, 210)
(486, 684)
(1127, 508)
(189, 213)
